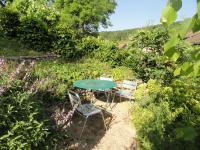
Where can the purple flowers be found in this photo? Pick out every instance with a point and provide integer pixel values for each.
(2, 63)
(12, 76)
(63, 118)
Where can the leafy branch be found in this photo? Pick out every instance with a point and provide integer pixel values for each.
(169, 16)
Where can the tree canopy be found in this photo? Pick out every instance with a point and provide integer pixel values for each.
(83, 16)
(87, 15)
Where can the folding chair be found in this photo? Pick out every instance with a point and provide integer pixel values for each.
(85, 110)
(126, 89)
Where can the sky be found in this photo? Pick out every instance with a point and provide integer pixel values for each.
(138, 13)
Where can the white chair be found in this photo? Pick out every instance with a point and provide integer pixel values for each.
(85, 110)
(105, 78)
(126, 89)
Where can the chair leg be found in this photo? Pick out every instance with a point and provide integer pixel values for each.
(83, 127)
(113, 99)
(131, 101)
(107, 97)
(103, 120)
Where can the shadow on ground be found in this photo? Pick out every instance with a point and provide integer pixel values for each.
(92, 134)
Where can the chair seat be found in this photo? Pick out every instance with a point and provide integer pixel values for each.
(88, 109)
(125, 93)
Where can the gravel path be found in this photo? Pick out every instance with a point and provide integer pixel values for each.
(119, 136)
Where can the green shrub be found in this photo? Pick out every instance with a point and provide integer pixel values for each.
(151, 124)
(61, 76)
(65, 43)
(122, 73)
(22, 126)
(88, 44)
(152, 39)
(169, 116)
(108, 52)
(35, 35)
(9, 22)
(145, 55)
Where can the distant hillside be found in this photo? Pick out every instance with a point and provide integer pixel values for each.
(117, 36)
(123, 35)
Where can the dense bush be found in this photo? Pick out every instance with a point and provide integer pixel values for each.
(122, 73)
(35, 34)
(151, 39)
(22, 125)
(37, 24)
(147, 48)
(169, 115)
(88, 44)
(55, 25)
(107, 51)
(64, 43)
(146, 56)
(9, 22)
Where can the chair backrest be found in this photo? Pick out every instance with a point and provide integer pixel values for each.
(74, 98)
(132, 85)
(105, 78)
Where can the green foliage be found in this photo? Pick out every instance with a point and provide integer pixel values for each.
(12, 47)
(117, 36)
(89, 44)
(84, 17)
(145, 54)
(108, 52)
(26, 117)
(21, 127)
(61, 76)
(57, 26)
(35, 35)
(123, 36)
(168, 17)
(168, 114)
(122, 73)
(153, 39)
(9, 22)
(37, 21)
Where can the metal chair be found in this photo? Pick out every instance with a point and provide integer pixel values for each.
(126, 89)
(85, 110)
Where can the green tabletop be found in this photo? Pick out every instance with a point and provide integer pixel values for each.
(92, 84)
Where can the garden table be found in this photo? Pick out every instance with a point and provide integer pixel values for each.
(95, 85)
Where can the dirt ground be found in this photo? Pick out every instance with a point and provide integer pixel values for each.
(120, 134)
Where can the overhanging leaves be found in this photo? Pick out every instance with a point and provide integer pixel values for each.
(170, 50)
(177, 71)
(169, 15)
(195, 23)
(171, 43)
(173, 54)
(176, 4)
(198, 8)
